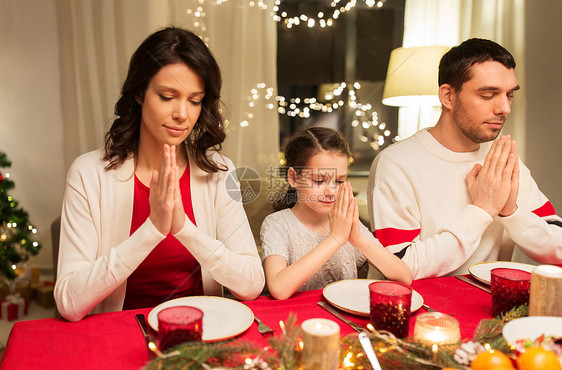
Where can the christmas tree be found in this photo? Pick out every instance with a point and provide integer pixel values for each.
(16, 242)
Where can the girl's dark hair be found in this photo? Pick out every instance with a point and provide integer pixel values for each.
(167, 46)
(455, 67)
(302, 146)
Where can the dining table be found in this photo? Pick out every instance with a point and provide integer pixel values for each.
(114, 340)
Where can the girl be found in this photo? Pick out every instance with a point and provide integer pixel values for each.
(316, 238)
(149, 218)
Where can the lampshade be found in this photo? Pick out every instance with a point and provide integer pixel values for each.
(412, 76)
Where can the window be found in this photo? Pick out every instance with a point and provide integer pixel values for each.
(334, 75)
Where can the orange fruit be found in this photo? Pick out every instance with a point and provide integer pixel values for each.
(538, 358)
(491, 360)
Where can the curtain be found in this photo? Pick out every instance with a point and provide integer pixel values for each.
(98, 37)
(448, 23)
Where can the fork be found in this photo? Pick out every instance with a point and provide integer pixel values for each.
(262, 328)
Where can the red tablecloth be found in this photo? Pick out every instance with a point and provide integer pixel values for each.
(113, 340)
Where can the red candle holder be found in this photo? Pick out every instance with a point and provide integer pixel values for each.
(510, 288)
(390, 307)
(178, 325)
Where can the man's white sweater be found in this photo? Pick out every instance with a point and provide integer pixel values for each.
(420, 208)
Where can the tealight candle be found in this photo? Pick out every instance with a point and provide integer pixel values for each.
(545, 293)
(321, 344)
(437, 328)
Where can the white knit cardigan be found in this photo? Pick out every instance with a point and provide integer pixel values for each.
(97, 254)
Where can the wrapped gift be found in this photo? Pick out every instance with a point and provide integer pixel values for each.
(43, 294)
(35, 275)
(13, 307)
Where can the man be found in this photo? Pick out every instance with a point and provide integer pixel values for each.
(451, 196)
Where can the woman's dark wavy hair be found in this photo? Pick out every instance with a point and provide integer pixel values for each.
(455, 66)
(168, 46)
(302, 146)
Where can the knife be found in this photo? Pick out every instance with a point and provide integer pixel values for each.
(355, 326)
(147, 337)
(369, 351)
(478, 285)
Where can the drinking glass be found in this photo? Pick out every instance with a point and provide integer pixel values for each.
(178, 325)
(390, 307)
(510, 288)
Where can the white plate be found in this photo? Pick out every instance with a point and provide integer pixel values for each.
(352, 296)
(223, 318)
(531, 328)
(481, 271)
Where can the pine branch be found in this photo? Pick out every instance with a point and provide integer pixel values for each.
(490, 331)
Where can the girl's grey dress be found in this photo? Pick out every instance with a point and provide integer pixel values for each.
(284, 235)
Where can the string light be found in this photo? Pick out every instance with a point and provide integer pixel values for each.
(363, 113)
(347, 360)
(293, 107)
(321, 19)
(434, 349)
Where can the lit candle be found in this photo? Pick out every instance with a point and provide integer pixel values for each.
(437, 328)
(321, 344)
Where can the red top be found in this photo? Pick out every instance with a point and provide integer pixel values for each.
(170, 270)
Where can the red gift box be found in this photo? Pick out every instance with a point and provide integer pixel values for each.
(13, 307)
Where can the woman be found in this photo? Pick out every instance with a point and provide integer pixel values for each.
(149, 218)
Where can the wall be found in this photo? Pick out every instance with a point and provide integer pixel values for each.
(30, 115)
(543, 80)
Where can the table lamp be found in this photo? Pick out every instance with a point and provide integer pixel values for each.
(411, 81)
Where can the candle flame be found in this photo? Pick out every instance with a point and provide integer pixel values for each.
(435, 348)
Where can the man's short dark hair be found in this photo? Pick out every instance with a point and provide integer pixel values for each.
(455, 66)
